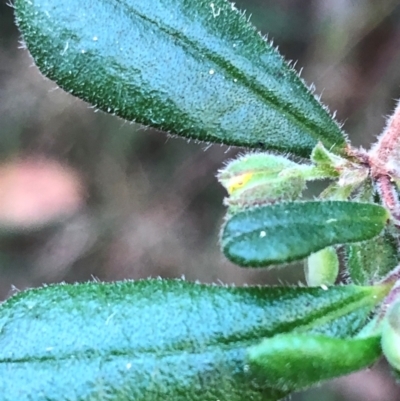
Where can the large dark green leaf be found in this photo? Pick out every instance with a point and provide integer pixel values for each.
(159, 340)
(191, 67)
(286, 232)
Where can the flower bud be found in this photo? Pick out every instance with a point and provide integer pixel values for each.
(260, 178)
(391, 336)
(322, 268)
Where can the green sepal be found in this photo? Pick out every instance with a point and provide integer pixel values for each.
(297, 361)
(351, 176)
(326, 161)
(355, 187)
(286, 232)
(322, 267)
(336, 192)
(370, 261)
(159, 339)
(190, 67)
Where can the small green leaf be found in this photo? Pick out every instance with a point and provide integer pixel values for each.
(158, 339)
(366, 192)
(285, 232)
(370, 261)
(322, 267)
(190, 67)
(297, 361)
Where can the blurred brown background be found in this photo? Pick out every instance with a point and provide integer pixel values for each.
(84, 195)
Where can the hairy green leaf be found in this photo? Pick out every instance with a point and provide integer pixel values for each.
(285, 232)
(294, 361)
(158, 339)
(371, 260)
(190, 67)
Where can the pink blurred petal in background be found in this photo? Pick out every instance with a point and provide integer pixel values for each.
(36, 191)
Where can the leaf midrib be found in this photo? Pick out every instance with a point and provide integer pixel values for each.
(251, 84)
(218, 343)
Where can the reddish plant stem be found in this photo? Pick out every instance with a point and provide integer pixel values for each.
(384, 164)
(384, 157)
(389, 197)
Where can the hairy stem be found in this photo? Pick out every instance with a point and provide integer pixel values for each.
(388, 193)
(384, 157)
